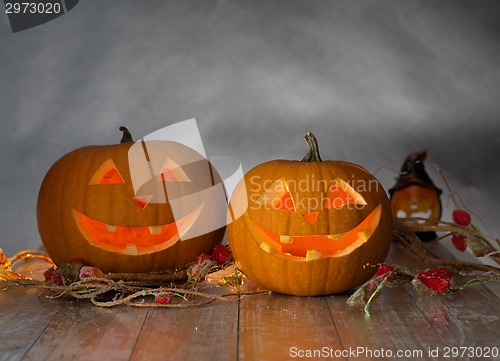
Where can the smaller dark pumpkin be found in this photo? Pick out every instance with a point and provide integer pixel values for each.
(414, 194)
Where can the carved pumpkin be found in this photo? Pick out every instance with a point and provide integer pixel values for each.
(414, 194)
(309, 228)
(89, 209)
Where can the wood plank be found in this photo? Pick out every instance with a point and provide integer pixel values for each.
(205, 333)
(274, 326)
(466, 318)
(495, 288)
(24, 315)
(402, 320)
(85, 332)
(396, 324)
(409, 321)
(268, 325)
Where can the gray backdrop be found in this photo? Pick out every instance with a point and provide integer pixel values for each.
(374, 79)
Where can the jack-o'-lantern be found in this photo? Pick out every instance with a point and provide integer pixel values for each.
(415, 195)
(311, 227)
(89, 208)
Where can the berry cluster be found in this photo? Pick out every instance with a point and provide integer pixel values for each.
(70, 272)
(220, 256)
(434, 280)
(462, 218)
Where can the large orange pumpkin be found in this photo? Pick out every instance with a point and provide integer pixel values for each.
(89, 209)
(309, 228)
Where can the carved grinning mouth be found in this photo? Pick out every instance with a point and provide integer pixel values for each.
(134, 240)
(312, 247)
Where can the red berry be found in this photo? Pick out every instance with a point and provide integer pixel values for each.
(163, 299)
(76, 261)
(51, 275)
(90, 272)
(48, 273)
(437, 279)
(459, 242)
(202, 258)
(221, 254)
(461, 217)
(383, 269)
(57, 279)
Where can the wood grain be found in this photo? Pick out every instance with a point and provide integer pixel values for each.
(81, 331)
(206, 333)
(396, 324)
(272, 326)
(24, 316)
(257, 327)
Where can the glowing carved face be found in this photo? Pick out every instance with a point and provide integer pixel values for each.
(136, 239)
(160, 203)
(309, 227)
(416, 201)
(306, 240)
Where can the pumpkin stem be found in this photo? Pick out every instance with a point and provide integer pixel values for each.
(127, 137)
(313, 152)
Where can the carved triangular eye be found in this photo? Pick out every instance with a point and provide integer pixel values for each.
(340, 193)
(172, 172)
(276, 196)
(285, 203)
(107, 174)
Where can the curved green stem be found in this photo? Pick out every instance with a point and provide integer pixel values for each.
(375, 293)
(127, 137)
(313, 149)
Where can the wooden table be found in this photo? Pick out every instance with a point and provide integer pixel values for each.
(257, 327)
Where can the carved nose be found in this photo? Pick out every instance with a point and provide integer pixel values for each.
(310, 217)
(142, 201)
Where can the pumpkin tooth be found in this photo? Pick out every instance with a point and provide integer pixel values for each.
(265, 247)
(155, 229)
(131, 249)
(285, 239)
(110, 228)
(312, 254)
(364, 234)
(336, 236)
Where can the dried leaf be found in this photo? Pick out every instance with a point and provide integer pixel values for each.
(402, 275)
(478, 248)
(361, 296)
